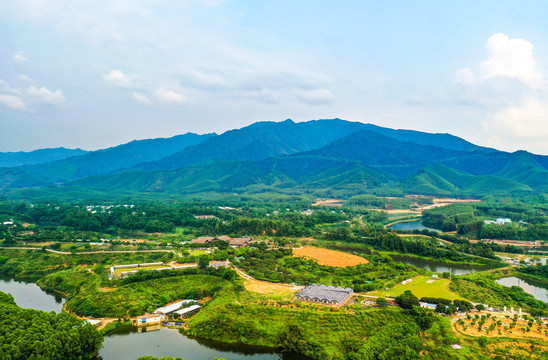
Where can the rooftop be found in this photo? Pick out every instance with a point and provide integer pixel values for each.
(323, 292)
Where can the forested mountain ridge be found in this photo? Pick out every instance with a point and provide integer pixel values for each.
(262, 140)
(22, 158)
(322, 157)
(360, 162)
(97, 162)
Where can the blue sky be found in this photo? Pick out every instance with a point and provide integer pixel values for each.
(94, 74)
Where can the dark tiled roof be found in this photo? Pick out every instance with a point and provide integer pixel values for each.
(322, 292)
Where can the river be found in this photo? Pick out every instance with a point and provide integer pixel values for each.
(129, 344)
(535, 288)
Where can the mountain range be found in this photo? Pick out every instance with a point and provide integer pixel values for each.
(320, 158)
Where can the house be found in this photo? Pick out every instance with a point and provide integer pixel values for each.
(205, 217)
(202, 240)
(329, 295)
(149, 319)
(239, 242)
(224, 238)
(427, 305)
(502, 221)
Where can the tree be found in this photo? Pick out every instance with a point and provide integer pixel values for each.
(407, 300)
(480, 307)
(381, 301)
(203, 262)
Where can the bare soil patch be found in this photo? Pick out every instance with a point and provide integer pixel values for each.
(329, 257)
(268, 288)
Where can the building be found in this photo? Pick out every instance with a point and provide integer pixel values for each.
(164, 310)
(188, 311)
(94, 322)
(239, 242)
(149, 319)
(330, 295)
(203, 240)
(218, 264)
(232, 242)
(427, 305)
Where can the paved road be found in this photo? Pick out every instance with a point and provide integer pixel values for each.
(84, 253)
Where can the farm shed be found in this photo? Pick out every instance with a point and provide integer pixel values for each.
(330, 295)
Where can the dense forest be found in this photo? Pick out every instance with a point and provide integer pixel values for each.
(527, 214)
(32, 334)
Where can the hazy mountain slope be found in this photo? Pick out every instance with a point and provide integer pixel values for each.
(280, 172)
(441, 180)
(266, 139)
(98, 162)
(375, 149)
(21, 158)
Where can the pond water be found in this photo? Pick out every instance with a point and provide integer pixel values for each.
(438, 266)
(411, 225)
(535, 288)
(31, 296)
(129, 344)
(428, 264)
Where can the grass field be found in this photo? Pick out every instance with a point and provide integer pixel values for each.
(329, 257)
(422, 286)
(198, 252)
(282, 291)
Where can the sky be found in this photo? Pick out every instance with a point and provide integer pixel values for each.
(94, 74)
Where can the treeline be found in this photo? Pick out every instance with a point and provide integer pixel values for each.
(152, 217)
(528, 216)
(388, 241)
(33, 334)
(540, 271)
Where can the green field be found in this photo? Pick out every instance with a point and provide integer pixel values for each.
(421, 286)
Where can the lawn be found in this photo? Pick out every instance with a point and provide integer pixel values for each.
(422, 286)
(198, 252)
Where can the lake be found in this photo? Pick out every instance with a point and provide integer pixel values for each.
(438, 266)
(535, 288)
(411, 225)
(128, 344)
(31, 296)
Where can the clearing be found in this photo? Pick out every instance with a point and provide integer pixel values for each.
(268, 288)
(422, 286)
(329, 257)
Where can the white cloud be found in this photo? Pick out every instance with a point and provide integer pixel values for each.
(526, 121)
(506, 58)
(46, 96)
(142, 98)
(465, 76)
(24, 78)
(118, 78)
(12, 102)
(315, 96)
(19, 59)
(170, 96)
(512, 58)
